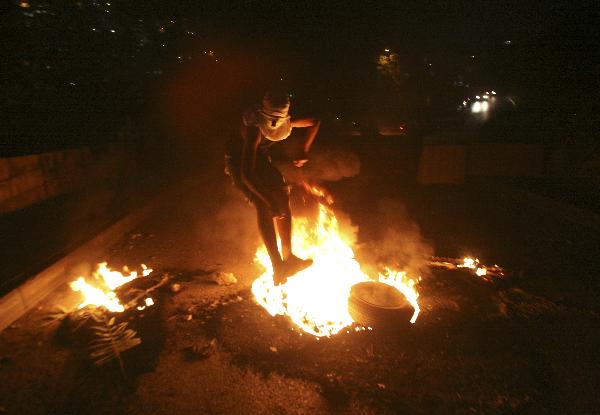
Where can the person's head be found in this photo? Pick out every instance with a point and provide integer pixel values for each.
(276, 103)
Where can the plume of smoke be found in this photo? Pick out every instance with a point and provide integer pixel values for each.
(326, 164)
(393, 239)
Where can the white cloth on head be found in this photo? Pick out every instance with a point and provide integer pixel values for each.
(274, 128)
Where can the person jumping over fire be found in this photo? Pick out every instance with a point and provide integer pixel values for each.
(251, 169)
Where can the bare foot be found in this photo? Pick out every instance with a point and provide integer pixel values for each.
(279, 274)
(288, 268)
(294, 265)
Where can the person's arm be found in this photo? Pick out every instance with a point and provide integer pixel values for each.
(251, 136)
(312, 125)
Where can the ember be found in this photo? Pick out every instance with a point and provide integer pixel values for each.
(316, 299)
(101, 293)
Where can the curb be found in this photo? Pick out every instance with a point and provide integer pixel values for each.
(23, 298)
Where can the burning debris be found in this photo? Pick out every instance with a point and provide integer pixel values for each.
(486, 272)
(316, 299)
(108, 321)
(101, 293)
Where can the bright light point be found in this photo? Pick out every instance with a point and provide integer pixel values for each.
(24, 5)
(477, 96)
(112, 30)
(493, 92)
(149, 301)
(481, 272)
(386, 50)
(486, 96)
(478, 107)
(464, 102)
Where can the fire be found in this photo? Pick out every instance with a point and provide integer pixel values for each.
(101, 292)
(474, 264)
(316, 299)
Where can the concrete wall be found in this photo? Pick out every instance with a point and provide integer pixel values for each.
(456, 163)
(27, 180)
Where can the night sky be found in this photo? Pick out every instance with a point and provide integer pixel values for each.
(109, 57)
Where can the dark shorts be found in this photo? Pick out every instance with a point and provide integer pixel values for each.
(268, 178)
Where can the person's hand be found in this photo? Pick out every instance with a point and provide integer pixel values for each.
(301, 161)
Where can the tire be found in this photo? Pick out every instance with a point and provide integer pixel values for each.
(380, 306)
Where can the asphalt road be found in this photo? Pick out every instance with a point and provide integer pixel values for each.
(523, 344)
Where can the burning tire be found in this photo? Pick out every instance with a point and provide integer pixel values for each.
(378, 305)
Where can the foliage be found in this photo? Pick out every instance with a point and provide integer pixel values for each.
(111, 340)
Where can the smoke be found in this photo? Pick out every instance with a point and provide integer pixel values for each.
(392, 238)
(325, 164)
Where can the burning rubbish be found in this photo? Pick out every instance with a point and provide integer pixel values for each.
(486, 272)
(101, 293)
(110, 318)
(316, 299)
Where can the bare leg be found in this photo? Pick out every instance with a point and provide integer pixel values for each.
(291, 263)
(267, 231)
(284, 229)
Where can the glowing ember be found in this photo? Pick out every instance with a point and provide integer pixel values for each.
(101, 293)
(316, 299)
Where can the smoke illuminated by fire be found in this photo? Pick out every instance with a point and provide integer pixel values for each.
(316, 299)
(101, 293)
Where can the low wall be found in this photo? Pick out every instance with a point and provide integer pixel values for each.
(456, 163)
(27, 180)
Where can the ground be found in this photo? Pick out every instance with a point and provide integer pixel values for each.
(526, 343)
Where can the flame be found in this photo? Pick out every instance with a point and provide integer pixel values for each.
(471, 263)
(316, 299)
(318, 192)
(101, 293)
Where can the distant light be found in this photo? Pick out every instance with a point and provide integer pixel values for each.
(493, 92)
(24, 5)
(487, 92)
(508, 42)
(112, 30)
(386, 50)
(472, 56)
(72, 83)
(486, 96)
(163, 45)
(161, 29)
(179, 57)
(477, 96)
(94, 29)
(464, 103)
(108, 4)
(479, 107)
